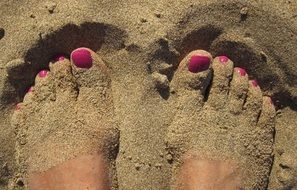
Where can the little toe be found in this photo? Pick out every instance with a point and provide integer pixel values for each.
(267, 116)
(253, 104)
(28, 95)
(222, 73)
(238, 91)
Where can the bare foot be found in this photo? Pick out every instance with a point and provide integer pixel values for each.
(67, 118)
(224, 127)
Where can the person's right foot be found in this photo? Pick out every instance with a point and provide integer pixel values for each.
(223, 128)
(68, 114)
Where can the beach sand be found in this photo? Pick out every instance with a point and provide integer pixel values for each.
(141, 42)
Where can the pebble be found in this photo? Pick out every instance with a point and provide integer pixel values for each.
(137, 166)
(169, 157)
(50, 6)
(244, 11)
(160, 81)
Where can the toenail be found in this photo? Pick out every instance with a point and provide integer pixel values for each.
(223, 59)
(254, 83)
(270, 101)
(59, 57)
(198, 63)
(30, 89)
(241, 71)
(42, 73)
(82, 58)
(18, 106)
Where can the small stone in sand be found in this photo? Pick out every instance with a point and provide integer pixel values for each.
(161, 81)
(50, 6)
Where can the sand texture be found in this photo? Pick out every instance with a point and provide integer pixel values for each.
(143, 45)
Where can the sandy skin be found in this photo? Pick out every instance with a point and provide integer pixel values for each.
(69, 111)
(222, 119)
(196, 166)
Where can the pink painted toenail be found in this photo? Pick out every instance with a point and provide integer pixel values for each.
(30, 89)
(254, 83)
(82, 58)
(59, 57)
(270, 101)
(223, 59)
(42, 73)
(241, 71)
(198, 63)
(18, 106)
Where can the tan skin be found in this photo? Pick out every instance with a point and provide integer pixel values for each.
(90, 172)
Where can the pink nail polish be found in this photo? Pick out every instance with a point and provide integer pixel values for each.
(254, 83)
(59, 57)
(30, 89)
(270, 101)
(42, 73)
(241, 71)
(82, 58)
(223, 59)
(18, 106)
(198, 63)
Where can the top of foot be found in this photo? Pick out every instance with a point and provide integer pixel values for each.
(69, 112)
(222, 116)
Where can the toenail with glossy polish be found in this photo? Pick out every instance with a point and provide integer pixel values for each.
(198, 63)
(82, 58)
(241, 71)
(42, 73)
(18, 106)
(59, 57)
(30, 89)
(223, 59)
(270, 101)
(254, 83)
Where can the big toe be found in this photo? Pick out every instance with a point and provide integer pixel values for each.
(92, 77)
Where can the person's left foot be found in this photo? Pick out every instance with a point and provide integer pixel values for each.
(68, 114)
(222, 121)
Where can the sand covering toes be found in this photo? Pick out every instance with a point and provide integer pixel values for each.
(218, 131)
(69, 113)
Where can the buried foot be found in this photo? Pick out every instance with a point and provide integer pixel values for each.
(222, 134)
(66, 137)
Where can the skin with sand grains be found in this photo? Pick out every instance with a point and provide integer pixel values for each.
(223, 121)
(82, 149)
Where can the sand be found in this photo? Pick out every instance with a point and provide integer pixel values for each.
(136, 39)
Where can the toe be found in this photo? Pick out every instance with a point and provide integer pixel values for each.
(190, 75)
(28, 95)
(253, 104)
(238, 91)
(85, 64)
(43, 89)
(267, 116)
(91, 75)
(222, 73)
(62, 77)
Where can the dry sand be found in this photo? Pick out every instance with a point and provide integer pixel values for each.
(135, 40)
